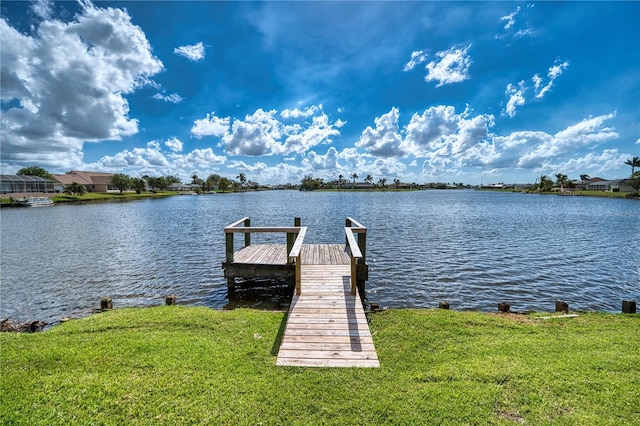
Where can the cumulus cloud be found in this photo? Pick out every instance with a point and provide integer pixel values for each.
(385, 139)
(256, 135)
(516, 98)
(328, 161)
(193, 52)
(174, 144)
(263, 133)
(211, 125)
(318, 132)
(441, 130)
(592, 163)
(533, 148)
(68, 81)
(452, 66)
(42, 8)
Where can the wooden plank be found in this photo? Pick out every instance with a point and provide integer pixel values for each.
(326, 326)
(295, 362)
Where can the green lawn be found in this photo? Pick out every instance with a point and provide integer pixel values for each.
(179, 365)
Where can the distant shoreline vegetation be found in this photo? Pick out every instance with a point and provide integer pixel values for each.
(131, 196)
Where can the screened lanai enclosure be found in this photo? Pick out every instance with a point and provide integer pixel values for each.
(18, 185)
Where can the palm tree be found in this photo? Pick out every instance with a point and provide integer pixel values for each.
(340, 178)
(633, 162)
(194, 179)
(560, 180)
(382, 182)
(544, 183)
(583, 178)
(369, 179)
(354, 176)
(396, 183)
(243, 180)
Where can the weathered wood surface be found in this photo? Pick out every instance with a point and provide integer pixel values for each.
(326, 325)
(276, 254)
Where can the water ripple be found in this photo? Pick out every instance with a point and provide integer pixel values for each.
(472, 249)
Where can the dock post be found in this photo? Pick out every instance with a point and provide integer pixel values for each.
(229, 247)
(504, 307)
(628, 306)
(562, 307)
(296, 221)
(362, 245)
(247, 235)
(106, 303)
(348, 224)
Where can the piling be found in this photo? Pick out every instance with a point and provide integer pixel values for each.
(106, 303)
(562, 307)
(628, 306)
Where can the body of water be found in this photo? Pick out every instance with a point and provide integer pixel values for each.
(472, 249)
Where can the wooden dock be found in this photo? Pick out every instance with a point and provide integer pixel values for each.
(326, 324)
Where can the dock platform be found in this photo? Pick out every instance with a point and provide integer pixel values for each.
(326, 324)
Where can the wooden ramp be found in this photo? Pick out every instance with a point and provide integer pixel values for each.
(326, 325)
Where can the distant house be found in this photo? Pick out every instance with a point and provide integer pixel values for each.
(184, 187)
(25, 186)
(617, 185)
(93, 181)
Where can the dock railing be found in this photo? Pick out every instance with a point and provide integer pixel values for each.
(295, 237)
(357, 247)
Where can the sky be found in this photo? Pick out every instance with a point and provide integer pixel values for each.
(466, 92)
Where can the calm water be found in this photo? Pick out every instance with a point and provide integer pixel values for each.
(472, 249)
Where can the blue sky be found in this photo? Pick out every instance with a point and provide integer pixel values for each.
(419, 91)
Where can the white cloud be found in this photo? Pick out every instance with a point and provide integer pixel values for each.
(296, 113)
(200, 157)
(554, 72)
(320, 131)
(210, 126)
(68, 81)
(516, 98)
(607, 161)
(515, 24)
(452, 66)
(136, 159)
(329, 161)
(517, 95)
(510, 18)
(193, 52)
(385, 139)
(173, 98)
(417, 57)
(261, 133)
(256, 135)
(540, 146)
(174, 144)
(440, 131)
(42, 8)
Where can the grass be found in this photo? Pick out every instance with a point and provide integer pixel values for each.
(188, 365)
